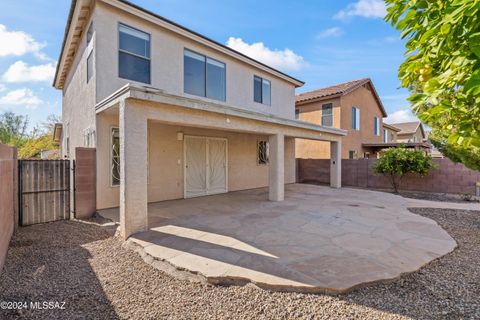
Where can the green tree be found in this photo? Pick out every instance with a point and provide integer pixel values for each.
(33, 147)
(40, 139)
(13, 129)
(442, 68)
(395, 163)
(469, 156)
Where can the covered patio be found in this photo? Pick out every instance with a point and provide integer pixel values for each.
(318, 240)
(143, 115)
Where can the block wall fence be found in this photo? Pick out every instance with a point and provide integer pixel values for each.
(447, 178)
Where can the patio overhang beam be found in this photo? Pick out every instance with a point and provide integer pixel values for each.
(182, 110)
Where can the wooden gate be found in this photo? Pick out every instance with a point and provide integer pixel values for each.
(44, 191)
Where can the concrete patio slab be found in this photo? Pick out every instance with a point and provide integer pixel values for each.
(318, 240)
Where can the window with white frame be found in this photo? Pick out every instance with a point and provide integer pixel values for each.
(262, 90)
(355, 118)
(352, 154)
(204, 76)
(89, 138)
(385, 135)
(376, 126)
(89, 52)
(115, 156)
(67, 140)
(134, 54)
(327, 115)
(262, 152)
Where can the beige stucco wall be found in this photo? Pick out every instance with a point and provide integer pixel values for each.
(361, 98)
(165, 161)
(167, 65)
(78, 102)
(312, 112)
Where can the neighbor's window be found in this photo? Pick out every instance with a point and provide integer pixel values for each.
(297, 114)
(355, 118)
(376, 126)
(262, 90)
(352, 154)
(134, 54)
(204, 76)
(385, 135)
(327, 115)
(262, 152)
(115, 149)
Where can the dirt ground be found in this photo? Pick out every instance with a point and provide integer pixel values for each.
(89, 275)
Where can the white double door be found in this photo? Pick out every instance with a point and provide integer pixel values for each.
(205, 161)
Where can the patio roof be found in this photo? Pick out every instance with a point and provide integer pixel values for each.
(290, 127)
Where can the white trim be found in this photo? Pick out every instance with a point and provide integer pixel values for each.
(207, 138)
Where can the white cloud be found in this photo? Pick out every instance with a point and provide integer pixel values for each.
(22, 72)
(363, 8)
(404, 115)
(2, 87)
(21, 97)
(282, 59)
(18, 43)
(330, 33)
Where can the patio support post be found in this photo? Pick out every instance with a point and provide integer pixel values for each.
(276, 173)
(336, 164)
(133, 170)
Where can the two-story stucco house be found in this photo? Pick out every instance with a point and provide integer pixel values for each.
(173, 114)
(353, 106)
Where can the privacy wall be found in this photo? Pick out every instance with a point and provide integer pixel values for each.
(8, 197)
(447, 178)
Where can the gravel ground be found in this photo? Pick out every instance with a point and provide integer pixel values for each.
(83, 265)
(443, 197)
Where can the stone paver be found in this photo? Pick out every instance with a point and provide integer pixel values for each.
(318, 240)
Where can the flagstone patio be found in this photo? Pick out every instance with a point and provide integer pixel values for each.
(318, 240)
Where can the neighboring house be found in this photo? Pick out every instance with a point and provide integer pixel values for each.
(389, 133)
(408, 134)
(174, 114)
(410, 131)
(352, 106)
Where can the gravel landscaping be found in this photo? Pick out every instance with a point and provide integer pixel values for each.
(84, 266)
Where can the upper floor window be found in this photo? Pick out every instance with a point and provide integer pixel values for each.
(262, 90)
(385, 135)
(355, 118)
(327, 115)
(89, 33)
(376, 126)
(89, 52)
(297, 113)
(134, 54)
(204, 76)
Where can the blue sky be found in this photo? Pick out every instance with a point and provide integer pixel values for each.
(319, 42)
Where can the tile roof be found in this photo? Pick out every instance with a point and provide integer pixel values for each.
(338, 90)
(406, 127)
